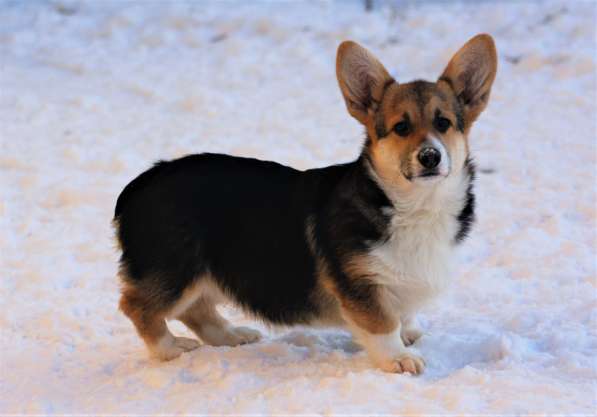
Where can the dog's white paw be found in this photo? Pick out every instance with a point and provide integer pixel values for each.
(410, 335)
(229, 336)
(186, 344)
(247, 335)
(173, 347)
(406, 362)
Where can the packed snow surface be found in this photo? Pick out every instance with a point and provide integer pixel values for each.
(92, 93)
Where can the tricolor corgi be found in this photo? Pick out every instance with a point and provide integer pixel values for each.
(362, 244)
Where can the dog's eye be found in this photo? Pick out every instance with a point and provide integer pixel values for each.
(442, 124)
(402, 128)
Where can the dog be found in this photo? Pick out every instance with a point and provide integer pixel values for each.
(362, 244)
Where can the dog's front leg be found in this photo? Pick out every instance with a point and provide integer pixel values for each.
(387, 350)
(378, 330)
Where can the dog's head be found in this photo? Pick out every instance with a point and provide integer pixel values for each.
(417, 131)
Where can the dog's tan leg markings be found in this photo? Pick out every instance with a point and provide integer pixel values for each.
(376, 329)
(213, 329)
(152, 328)
(386, 350)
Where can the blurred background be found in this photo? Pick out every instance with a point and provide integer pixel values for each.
(92, 93)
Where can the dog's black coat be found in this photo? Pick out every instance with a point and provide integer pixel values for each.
(247, 223)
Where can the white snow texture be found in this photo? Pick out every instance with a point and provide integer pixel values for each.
(92, 93)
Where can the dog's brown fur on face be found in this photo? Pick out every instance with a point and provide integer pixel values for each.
(379, 103)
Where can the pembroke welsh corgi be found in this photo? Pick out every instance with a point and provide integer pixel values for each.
(361, 244)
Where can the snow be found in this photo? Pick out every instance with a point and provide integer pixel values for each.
(92, 93)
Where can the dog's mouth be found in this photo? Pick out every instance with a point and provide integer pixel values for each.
(428, 174)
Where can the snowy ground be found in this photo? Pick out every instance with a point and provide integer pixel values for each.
(91, 94)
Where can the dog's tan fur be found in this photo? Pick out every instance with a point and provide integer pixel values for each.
(147, 316)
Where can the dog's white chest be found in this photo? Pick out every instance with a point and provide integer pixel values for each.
(415, 263)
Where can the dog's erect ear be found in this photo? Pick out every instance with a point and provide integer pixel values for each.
(362, 79)
(470, 74)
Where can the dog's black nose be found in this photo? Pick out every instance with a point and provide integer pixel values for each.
(429, 157)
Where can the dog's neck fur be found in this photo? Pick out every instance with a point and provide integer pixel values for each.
(413, 262)
(425, 202)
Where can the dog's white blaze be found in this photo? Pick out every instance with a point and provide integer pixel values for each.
(444, 164)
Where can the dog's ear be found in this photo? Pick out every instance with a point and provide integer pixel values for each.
(470, 74)
(362, 79)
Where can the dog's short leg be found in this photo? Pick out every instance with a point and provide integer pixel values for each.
(151, 326)
(409, 331)
(388, 352)
(213, 329)
(378, 330)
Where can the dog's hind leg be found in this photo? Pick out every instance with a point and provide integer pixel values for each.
(149, 320)
(203, 318)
